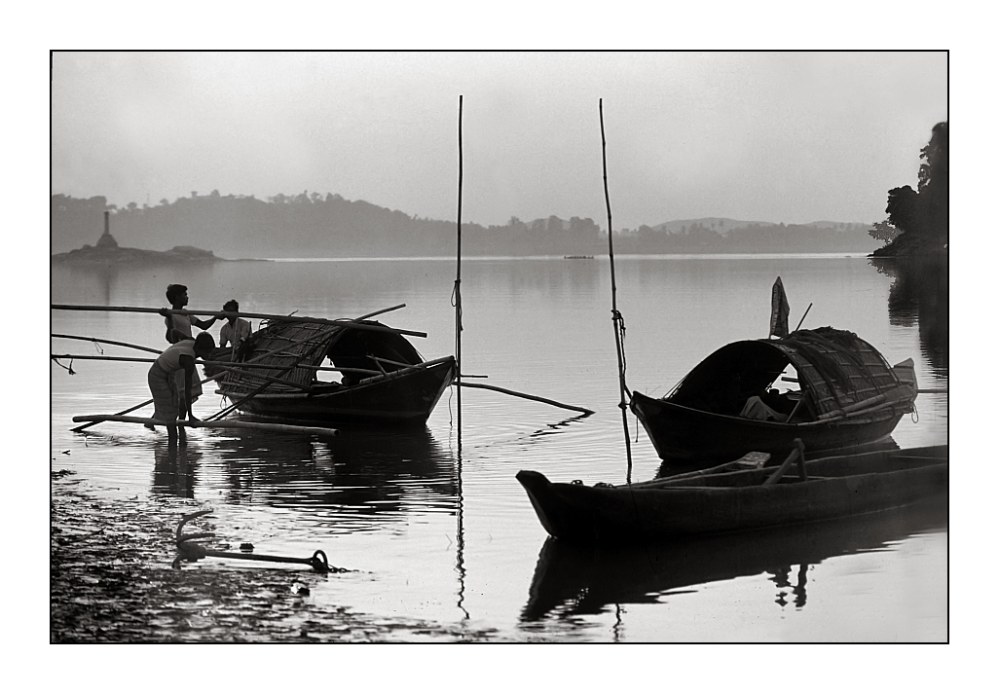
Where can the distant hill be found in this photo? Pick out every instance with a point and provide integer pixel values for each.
(313, 225)
(724, 226)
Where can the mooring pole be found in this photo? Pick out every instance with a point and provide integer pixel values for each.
(615, 314)
(457, 282)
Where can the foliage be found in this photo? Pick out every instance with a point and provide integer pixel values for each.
(883, 231)
(924, 213)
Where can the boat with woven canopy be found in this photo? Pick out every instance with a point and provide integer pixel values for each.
(279, 373)
(846, 394)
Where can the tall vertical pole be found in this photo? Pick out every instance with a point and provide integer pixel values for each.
(457, 281)
(457, 356)
(615, 314)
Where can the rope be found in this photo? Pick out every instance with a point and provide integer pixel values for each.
(619, 335)
(68, 368)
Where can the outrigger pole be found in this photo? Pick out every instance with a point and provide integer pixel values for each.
(615, 314)
(201, 423)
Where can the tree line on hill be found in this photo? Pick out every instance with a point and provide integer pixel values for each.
(315, 225)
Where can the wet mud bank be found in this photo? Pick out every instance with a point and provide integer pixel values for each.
(116, 577)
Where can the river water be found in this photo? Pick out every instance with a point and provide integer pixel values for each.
(439, 543)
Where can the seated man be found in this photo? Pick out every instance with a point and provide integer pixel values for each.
(756, 408)
(236, 330)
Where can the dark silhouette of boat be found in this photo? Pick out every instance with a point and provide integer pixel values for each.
(383, 378)
(847, 395)
(732, 498)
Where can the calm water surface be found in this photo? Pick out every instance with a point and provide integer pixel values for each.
(431, 534)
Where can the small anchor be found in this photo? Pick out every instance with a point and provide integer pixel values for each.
(192, 550)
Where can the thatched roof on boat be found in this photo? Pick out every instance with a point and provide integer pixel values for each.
(286, 349)
(835, 369)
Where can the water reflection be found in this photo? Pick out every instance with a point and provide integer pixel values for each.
(367, 477)
(570, 581)
(920, 294)
(175, 467)
(782, 579)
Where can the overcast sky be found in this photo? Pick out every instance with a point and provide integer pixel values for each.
(772, 136)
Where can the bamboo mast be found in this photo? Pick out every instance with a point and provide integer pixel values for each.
(457, 281)
(617, 319)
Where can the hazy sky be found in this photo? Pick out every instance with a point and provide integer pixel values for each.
(775, 136)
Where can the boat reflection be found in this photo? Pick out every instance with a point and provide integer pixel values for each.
(361, 474)
(577, 580)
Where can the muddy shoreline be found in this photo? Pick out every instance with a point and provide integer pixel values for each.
(115, 578)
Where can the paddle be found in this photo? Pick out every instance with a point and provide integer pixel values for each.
(798, 453)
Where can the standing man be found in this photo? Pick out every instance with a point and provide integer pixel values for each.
(176, 364)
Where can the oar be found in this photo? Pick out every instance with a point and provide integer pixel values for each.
(797, 453)
(340, 322)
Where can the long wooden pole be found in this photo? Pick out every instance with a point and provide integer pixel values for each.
(615, 314)
(457, 281)
(342, 322)
(457, 355)
(107, 342)
(223, 424)
(526, 396)
(226, 364)
(798, 327)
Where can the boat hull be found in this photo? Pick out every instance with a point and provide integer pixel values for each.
(684, 433)
(403, 397)
(835, 487)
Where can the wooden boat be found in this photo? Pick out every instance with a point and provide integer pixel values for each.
(724, 499)
(383, 378)
(847, 395)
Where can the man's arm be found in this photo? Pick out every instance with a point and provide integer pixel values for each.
(204, 324)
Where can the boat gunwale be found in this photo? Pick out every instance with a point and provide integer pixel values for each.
(327, 390)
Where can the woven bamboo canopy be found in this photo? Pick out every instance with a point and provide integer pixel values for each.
(293, 350)
(835, 369)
